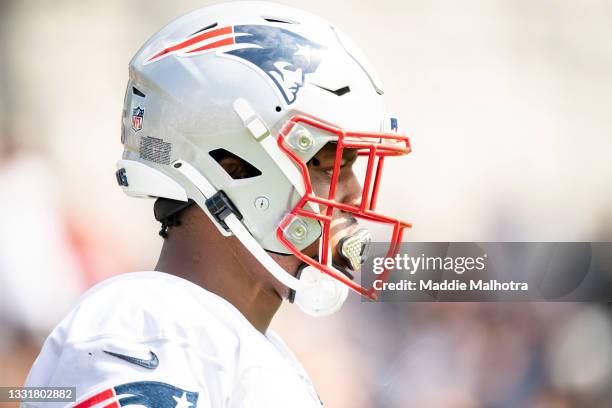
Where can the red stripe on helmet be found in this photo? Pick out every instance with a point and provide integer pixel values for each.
(227, 41)
(200, 37)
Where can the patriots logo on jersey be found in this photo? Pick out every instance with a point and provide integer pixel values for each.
(147, 394)
(284, 56)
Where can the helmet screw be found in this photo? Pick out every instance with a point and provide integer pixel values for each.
(304, 140)
(298, 232)
(262, 203)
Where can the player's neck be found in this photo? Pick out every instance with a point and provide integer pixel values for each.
(220, 265)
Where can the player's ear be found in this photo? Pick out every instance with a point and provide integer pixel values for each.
(232, 166)
(235, 166)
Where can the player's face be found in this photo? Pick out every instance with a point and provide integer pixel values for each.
(348, 191)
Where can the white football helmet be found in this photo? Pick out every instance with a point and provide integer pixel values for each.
(271, 85)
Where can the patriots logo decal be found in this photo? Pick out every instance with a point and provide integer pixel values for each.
(284, 56)
(143, 394)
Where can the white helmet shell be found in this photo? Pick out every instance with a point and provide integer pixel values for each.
(226, 77)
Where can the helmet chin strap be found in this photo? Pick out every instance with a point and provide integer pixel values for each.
(324, 295)
(245, 237)
(236, 227)
(316, 293)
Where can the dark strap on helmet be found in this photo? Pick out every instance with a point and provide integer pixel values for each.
(167, 212)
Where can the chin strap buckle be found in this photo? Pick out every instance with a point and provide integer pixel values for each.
(303, 265)
(220, 206)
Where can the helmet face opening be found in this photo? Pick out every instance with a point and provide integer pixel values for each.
(376, 147)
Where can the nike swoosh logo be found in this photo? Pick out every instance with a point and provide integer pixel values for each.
(150, 364)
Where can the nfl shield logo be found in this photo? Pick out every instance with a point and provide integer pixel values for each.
(137, 115)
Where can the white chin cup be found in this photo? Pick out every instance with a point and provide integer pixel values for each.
(320, 295)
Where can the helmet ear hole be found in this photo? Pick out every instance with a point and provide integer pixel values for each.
(236, 167)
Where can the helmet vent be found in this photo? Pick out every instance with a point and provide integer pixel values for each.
(342, 91)
(236, 167)
(338, 92)
(208, 27)
(136, 91)
(278, 20)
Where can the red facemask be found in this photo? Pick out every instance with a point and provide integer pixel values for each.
(376, 147)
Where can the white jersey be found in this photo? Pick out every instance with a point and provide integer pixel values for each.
(151, 339)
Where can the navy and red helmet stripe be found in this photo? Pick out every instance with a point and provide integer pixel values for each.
(283, 55)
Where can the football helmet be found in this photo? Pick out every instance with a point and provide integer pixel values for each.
(270, 85)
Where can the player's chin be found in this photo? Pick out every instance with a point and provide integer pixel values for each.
(338, 261)
(312, 250)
